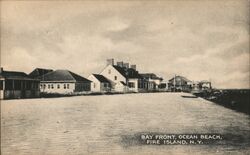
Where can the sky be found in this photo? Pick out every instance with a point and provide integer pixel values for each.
(201, 40)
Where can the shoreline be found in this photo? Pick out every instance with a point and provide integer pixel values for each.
(235, 99)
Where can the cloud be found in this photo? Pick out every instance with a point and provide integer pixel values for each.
(200, 40)
(18, 59)
(117, 24)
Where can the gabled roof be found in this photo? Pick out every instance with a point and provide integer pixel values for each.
(15, 75)
(101, 78)
(127, 72)
(150, 76)
(181, 77)
(39, 72)
(63, 75)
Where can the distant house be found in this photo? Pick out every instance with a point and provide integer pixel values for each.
(38, 72)
(63, 82)
(123, 78)
(180, 83)
(99, 83)
(15, 85)
(152, 81)
(201, 86)
(163, 86)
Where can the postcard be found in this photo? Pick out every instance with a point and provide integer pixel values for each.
(125, 77)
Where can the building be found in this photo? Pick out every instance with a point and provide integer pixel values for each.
(152, 81)
(38, 72)
(163, 86)
(201, 87)
(206, 85)
(64, 82)
(15, 85)
(180, 83)
(99, 83)
(122, 77)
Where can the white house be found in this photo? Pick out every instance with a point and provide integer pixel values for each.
(123, 78)
(201, 86)
(63, 82)
(153, 82)
(180, 83)
(163, 86)
(99, 83)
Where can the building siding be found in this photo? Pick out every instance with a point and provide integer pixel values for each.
(95, 84)
(134, 86)
(113, 75)
(52, 87)
(64, 87)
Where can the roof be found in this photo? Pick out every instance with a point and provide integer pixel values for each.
(101, 78)
(123, 83)
(15, 75)
(127, 72)
(151, 76)
(63, 75)
(181, 77)
(39, 72)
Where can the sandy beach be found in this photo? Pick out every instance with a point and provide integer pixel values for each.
(109, 124)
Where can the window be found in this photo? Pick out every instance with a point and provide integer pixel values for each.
(44, 86)
(131, 85)
(35, 85)
(115, 77)
(52, 86)
(94, 85)
(106, 85)
(67, 86)
(109, 71)
(64, 86)
(58, 86)
(1, 85)
(28, 85)
(9, 85)
(48, 86)
(163, 85)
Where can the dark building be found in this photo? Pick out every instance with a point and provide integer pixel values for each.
(15, 85)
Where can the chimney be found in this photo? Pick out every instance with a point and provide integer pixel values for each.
(133, 67)
(1, 70)
(110, 61)
(120, 64)
(126, 65)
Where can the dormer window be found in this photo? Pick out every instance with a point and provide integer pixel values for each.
(109, 71)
